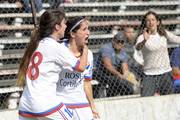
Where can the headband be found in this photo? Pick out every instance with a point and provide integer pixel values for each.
(76, 24)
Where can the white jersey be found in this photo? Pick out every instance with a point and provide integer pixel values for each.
(39, 95)
(70, 87)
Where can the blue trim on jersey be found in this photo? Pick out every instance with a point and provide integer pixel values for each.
(88, 77)
(41, 114)
(87, 66)
(77, 105)
(66, 43)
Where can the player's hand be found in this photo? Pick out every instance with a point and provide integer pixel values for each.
(95, 113)
(85, 48)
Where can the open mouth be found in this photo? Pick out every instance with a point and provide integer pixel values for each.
(86, 40)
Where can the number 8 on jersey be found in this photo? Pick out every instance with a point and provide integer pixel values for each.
(33, 70)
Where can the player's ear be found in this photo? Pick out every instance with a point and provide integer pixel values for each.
(57, 27)
(72, 34)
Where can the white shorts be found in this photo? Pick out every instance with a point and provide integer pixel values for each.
(82, 113)
(62, 114)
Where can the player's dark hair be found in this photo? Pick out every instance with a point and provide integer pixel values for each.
(47, 23)
(73, 25)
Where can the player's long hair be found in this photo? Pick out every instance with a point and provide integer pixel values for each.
(47, 23)
(160, 27)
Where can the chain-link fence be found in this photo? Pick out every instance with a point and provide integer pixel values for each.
(106, 19)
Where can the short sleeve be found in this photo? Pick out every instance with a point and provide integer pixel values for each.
(89, 68)
(105, 52)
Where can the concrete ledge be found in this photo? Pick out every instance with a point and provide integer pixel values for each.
(136, 108)
(147, 108)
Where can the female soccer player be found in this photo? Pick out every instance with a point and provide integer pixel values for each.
(40, 67)
(74, 88)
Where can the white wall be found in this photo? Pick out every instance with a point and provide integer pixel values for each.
(147, 108)
(9, 115)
